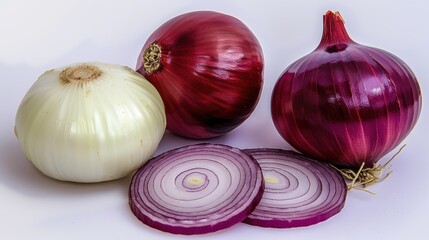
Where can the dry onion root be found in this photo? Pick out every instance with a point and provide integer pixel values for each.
(364, 177)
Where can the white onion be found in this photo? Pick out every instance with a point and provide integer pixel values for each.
(90, 122)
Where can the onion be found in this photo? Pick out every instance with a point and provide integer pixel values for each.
(207, 66)
(346, 103)
(90, 122)
(196, 189)
(299, 191)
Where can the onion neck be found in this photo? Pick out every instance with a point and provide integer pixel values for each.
(80, 74)
(335, 37)
(152, 58)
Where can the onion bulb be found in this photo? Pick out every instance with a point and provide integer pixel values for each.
(208, 68)
(346, 103)
(90, 122)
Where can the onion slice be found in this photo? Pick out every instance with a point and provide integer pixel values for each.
(196, 189)
(299, 191)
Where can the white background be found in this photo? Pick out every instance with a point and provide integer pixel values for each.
(39, 35)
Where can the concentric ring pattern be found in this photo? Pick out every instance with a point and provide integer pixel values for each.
(298, 192)
(196, 189)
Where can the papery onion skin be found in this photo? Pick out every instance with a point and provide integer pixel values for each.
(346, 103)
(231, 189)
(299, 191)
(101, 125)
(210, 73)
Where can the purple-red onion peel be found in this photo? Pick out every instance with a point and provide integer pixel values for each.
(346, 103)
(208, 68)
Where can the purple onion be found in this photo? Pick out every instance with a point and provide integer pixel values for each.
(208, 68)
(346, 103)
(196, 189)
(299, 191)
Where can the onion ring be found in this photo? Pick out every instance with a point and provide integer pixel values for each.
(196, 189)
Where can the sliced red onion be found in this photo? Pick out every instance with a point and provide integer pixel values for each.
(196, 189)
(299, 191)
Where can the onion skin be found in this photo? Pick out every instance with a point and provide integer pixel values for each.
(210, 75)
(90, 122)
(346, 103)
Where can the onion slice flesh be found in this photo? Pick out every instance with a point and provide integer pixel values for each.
(299, 191)
(196, 189)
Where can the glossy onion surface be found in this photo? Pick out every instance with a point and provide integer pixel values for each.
(90, 122)
(346, 103)
(208, 69)
(196, 189)
(299, 191)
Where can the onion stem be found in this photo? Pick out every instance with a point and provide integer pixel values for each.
(152, 58)
(334, 36)
(80, 74)
(366, 176)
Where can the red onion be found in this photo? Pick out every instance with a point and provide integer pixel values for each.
(196, 189)
(207, 66)
(346, 103)
(299, 191)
